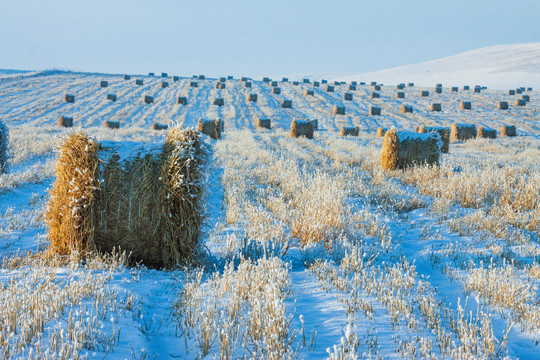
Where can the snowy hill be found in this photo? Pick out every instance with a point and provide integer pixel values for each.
(497, 67)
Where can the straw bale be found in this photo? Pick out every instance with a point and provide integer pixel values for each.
(4, 141)
(503, 105)
(65, 121)
(374, 95)
(286, 103)
(511, 92)
(402, 149)
(424, 93)
(406, 109)
(164, 84)
(438, 90)
(181, 100)
(69, 98)
(508, 130)
(436, 107)
(201, 77)
(329, 88)
(175, 78)
(455, 89)
(352, 87)
(377, 87)
(139, 82)
(354, 83)
(444, 133)
(264, 123)
(104, 83)
(111, 124)
(529, 89)
(151, 74)
(127, 77)
(305, 81)
(285, 79)
(252, 97)
(193, 84)
(466, 87)
(400, 95)
(265, 79)
(465, 105)
(230, 77)
(324, 81)
(477, 89)
(349, 131)
(374, 110)
(381, 131)
(158, 126)
(309, 92)
(211, 128)
(462, 132)
(373, 83)
(337, 83)
(527, 98)
(302, 128)
(244, 79)
(164, 74)
(295, 83)
(438, 85)
(276, 90)
(222, 79)
(339, 110)
(347, 96)
(519, 91)
(410, 84)
(111, 97)
(247, 84)
(400, 86)
(273, 83)
(220, 85)
(521, 102)
(486, 133)
(148, 99)
(316, 84)
(219, 101)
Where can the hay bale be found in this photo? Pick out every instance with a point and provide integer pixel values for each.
(222, 79)
(175, 78)
(503, 105)
(486, 133)
(285, 79)
(295, 83)
(466, 87)
(247, 84)
(252, 97)
(438, 90)
(329, 88)
(306, 81)
(302, 128)
(443, 132)
(403, 149)
(69, 98)
(374, 95)
(111, 124)
(65, 121)
(347, 96)
(158, 126)
(181, 100)
(104, 83)
(309, 92)
(337, 83)
(244, 79)
(400, 95)
(406, 109)
(519, 91)
(273, 83)
(264, 123)
(362, 83)
(438, 85)
(148, 99)
(352, 87)
(508, 130)
(265, 79)
(424, 93)
(127, 77)
(521, 102)
(316, 84)
(527, 98)
(374, 110)
(151, 74)
(455, 89)
(230, 77)
(219, 102)
(410, 84)
(354, 83)
(465, 105)
(377, 87)
(315, 124)
(324, 81)
(400, 86)
(477, 89)
(348, 131)
(201, 77)
(139, 82)
(436, 107)
(286, 103)
(148, 203)
(462, 132)
(4, 141)
(339, 110)
(220, 85)
(193, 84)
(276, 90)
(381, 131)
(511, 92)
(164, 74)
(111, 97)
(211, 128)
(373, 83)
(529, 89)
(164, 84)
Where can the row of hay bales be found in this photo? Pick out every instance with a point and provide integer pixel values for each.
(148, 204)
(67, 122)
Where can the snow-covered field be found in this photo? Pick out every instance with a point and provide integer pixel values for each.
(312, 250)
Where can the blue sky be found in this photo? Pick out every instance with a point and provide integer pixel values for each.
(254, 38)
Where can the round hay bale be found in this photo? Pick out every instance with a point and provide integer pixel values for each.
(211, 128)
(527, 98)
(374, 95)
(252, 97)
(69, 98)
(265, 79)
(438, 85)
(511, 92)
(302, 128)
(264, 123)
(400, 86)
(377, 87)
(148, 99)
(438, 90)
(477, 89)
(151, 74)
(337, 83)
(244, 79)
(466, 87)
(455, 89)
(65, 121)
(406, 109)
(111, 97)
(158, 126)
(111, 124)
(193, 84)
(230, 77)
(373, 83)
(486, 133)
(276, 90)
(181, 100)
(273, 83)
(461, 132)
(354, 83)
(220, 85)
(424, 93)
(503, 105)
(306, 81)
(521, 102)
(519, 91)
(139, 82)
(201, 77)
(4, 142)
(339, 110)
(222, 79)
(352, 87)
(295, 83)
(403, 149)
(348, 131)
(329, 88)
(347, 96)
(104, 83)
(374, 110)
(508, 130)
(247, 84)
(381, 131)
(436, 107)
(400, 95)
(529, 89)
(127, 77)
(286, 104)
(175, 78)
(285, 79)
(309, 92)
(324, 81)
(316, 84)
(164, 74)
(219, 102)
(164, 84)
(465, 105)
(443, 132)
(410, 84)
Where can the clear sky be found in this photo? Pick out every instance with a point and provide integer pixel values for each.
(253, 38)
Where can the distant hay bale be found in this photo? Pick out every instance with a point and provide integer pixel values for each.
(521, 102)
(373, 83)
(477, 89)
(503, 105)
(438, 90)
(527, 98)
(406, 109)
(529, 89)
(193, 84)
(403, 149)
(352, 87)
(377, 87)
(111, 124)
(127, 77)
(374, 95)
(4, 142)
(337, 83)
(309, 92)
(400, 95)
(175, 78)
(252, 97)
(151, 74)
(329, 88)
(436, 107)
(381, 131)
(211, 128)
(202, 77)
(339, 110)
(443, 132)
(104, 83)
(465, 105)
(219, 102)
(244, 79)
(139, 82)
(461, 132)
(148, 99)
(164, 84)
(181, 100)
(286, 103)
(302, 128)
(111, 97)
(348, 131)
(69, 98)
(265, 79)
(508, 130)
(305, 81)
(273, 83)
(220, 85)
(230, 77)
(438, 85)
(347, 96)
(374, 110)
(164, 74)
(455, 89)
(354, 83)
(222, 79)
(264, 123)
(511, 92)
(158, 126)
(247, 84)
(285, 79)
(65, 121)
(276, 90)
(410, 84)
(316, 84)
(148, 203)
(466, 87)
(519, 91)
(424, 93)
(400, 86)
(295, 83)
(324, 81)
(486, 133)
(362, 83)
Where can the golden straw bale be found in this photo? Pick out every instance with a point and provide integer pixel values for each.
(65, 121)
(462, 132)
(247, 84)
(219, 101)
(406, 109)
(374, 110)
(486, 133)
(347, 96)
(111, 124)
(465, 105)
(400, 95)
(127, 77)
(424, 93)
(193, 84)
(352, 87)
(309, 92)
(302, 128)
(181, 100)
(286, 104)
(264, 123)
(381, 131)
(139, 82)
(111, 97)
(104, 83)
(212, 128)
(220, 85)
(316, 84)
(4, 140)
(455, 89)
(503, 105)
(164, 84)
(521, 102)
(276, 90)
(508, 130)
(527, 98)
(349, 130)
(339, 110)
(402, 149)
(436, 107)
(69, 98)
(329, 88)
(374, 95)
(511, 92)
(158, 126)
(252, 97)
(443, 132)
(175, 78)
(148, 99)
